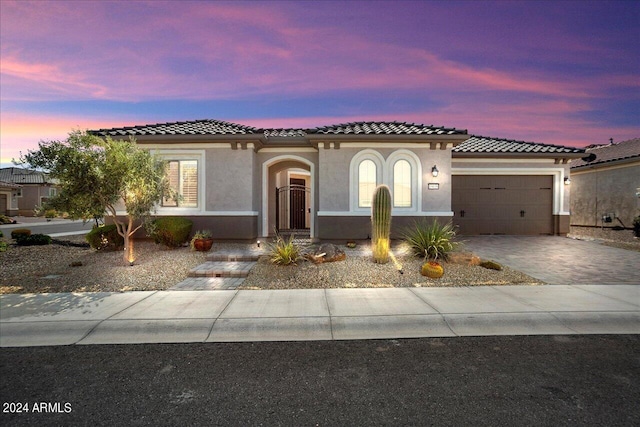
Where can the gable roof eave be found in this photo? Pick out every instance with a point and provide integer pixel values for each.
(606, 164)
(515, 155)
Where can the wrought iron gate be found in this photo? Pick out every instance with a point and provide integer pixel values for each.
(291, 207)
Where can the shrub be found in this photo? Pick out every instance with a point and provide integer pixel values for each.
(6, 220)
(15, 234)
(491, 265)
(171, 231)
(3, 246)
(284, 252)
(431, 241)
(105, 238)
(33, 240)
(1, 234)
(51, 213)
(636, 226)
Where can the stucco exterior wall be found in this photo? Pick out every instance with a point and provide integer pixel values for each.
(335, 185)
(342, 228)
(605, 190)
(32, 196)
(436, 200)
(333, 178)
(229, 179)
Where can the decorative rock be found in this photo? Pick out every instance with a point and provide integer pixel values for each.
(326, 252)
(491, 265)
(76, 264)
(463, 258)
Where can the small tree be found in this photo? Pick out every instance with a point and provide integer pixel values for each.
(96, 175)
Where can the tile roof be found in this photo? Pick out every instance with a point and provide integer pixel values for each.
(284, 133)
(5, 184)
(481, 144)
(473, 145)
(610, 153)
(195, 127)
(218, 127)
(24, 176)
(386, 128)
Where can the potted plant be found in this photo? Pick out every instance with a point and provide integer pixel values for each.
(202, 241)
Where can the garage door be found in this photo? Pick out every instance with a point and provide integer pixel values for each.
(503, 204)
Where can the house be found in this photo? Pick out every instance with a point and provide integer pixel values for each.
(24, 190)
(9, 198)
(606, 185)
(243, 182)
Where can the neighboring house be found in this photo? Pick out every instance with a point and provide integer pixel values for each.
(9, 198)
(33, 189)
(243, 182)
(606, 185)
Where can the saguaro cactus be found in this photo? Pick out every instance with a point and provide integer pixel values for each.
(381, 224)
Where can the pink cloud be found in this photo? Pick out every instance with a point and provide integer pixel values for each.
(22, 132)
(239, 49)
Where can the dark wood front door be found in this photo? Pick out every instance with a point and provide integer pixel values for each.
(297, 203)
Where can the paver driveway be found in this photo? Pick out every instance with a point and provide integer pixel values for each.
(560, 260)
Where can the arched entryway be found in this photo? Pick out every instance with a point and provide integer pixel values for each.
(288, 196)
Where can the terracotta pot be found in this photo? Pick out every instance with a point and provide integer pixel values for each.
(202, 245)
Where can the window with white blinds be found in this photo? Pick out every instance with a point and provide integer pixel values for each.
(183, 180)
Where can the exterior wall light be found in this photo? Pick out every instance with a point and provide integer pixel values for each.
(434, 171)
(567, 180)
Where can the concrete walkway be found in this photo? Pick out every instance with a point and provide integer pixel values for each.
(316, 314)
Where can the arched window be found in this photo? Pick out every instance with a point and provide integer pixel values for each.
(367, 181)
(366, 171)
(402, 184)
(404, 177)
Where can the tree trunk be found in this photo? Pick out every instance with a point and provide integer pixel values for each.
(128, 249)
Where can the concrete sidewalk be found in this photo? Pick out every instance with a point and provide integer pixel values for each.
(316, 314)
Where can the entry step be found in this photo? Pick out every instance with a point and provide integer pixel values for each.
(208, 284)
(222, 269)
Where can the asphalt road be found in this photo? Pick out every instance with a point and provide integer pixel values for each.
(537, 380)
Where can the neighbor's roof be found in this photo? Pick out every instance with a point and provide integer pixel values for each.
(482, 145)
(218, 127)
(24, 176)
(610, 153)
(5, 184)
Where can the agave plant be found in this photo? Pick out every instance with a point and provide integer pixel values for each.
(431, 241)
(284, 252)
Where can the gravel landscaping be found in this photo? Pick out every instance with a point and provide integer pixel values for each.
(39, 269)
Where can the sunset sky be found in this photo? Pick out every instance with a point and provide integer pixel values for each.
(553, 72)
